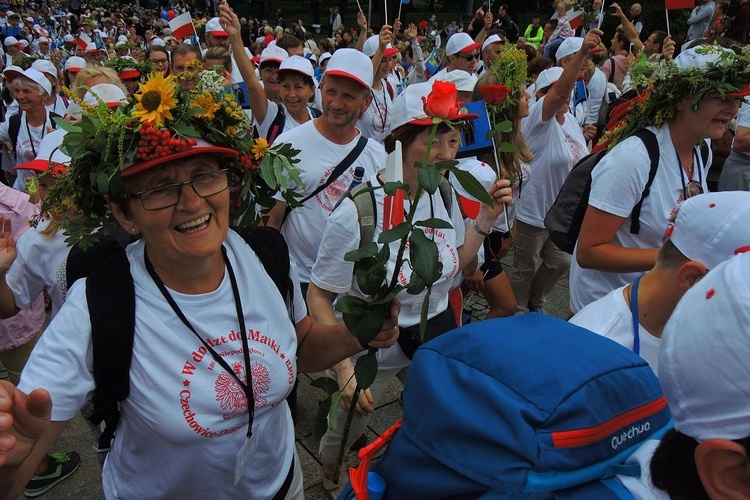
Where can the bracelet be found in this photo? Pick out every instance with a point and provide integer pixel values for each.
(475, 225)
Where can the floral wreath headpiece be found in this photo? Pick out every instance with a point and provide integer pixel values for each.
(728, 74)
(164, 121)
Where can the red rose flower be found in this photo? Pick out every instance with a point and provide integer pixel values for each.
(494, 94)
(441, 102)
(423, 25)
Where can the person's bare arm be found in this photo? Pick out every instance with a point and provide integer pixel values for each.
(362, 23)
(627, 27)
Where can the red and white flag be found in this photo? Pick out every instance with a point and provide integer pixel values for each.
(575, 18)
(83, 41)
(182, 26)
(679, 4)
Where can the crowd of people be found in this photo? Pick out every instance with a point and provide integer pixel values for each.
(111, 120)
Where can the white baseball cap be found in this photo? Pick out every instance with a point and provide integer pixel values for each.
(11, 40)
(297, 64)
(464, 81)
(460, 42)
(75, 64)
(68, 38)
(110, 94)
(158, 42)
(371, 46)
(351, 64)
(49, 155)
(484, 173)
(32, 74)
(45, 66)
(408, 107)
(492, 39)
(703, 361)
(324, 57)
(548, 77)
(712, 227)
(569, 46)
(214, 27)
(23, 42)
(274, 53)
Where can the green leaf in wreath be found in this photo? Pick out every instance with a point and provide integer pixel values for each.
(369, 250)
(394, 234)
(366, 369)
(434, 223)
(472, 185)
(423, 256)
(429, 178)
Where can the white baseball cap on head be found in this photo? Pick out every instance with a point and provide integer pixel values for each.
(492, 39)
(68, 38)
(45, 66)
(75, 64)
(324, 57)
(298, 64)
(110, 94)
(49, 156)
(408, 107)
(712, 227)
(351, 64)
(460, 42)
(371, 46)
(11, 40)
(703, 360)
(274, 53)
(214, 27)
(548, 77)
(464, 81)
(32, 74)
(569, 46)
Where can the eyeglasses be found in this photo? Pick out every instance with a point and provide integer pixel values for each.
(168, 196)
(693, 188)
(468, 58)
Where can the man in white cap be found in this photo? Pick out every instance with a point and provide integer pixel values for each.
(709, 229)
(375, 123)
(587, 98)
(491, 48)
(461, 51)
(216, 36)
(324, 143)
(93, 54)
(703, 370)
(12, 49)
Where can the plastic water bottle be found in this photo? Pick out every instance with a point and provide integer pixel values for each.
(375, 485)
(359, 174)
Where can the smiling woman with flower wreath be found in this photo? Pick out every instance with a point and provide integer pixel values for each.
(216, 347)
(690, 99)
(426, 121)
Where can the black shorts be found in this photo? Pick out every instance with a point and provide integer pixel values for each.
(493, 246)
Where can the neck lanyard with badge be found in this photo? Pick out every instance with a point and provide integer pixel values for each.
(28, 131)
(250, 447)
(634, 311)
(687, 186)
(383, 117)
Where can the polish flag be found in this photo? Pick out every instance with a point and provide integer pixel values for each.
(575, 18)
(182, 26)
(83, 41)
(679, 4)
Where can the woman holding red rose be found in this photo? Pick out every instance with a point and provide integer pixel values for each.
(416, 111)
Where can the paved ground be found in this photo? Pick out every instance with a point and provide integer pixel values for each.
(85, 483)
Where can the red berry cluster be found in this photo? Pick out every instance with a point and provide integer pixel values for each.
(159, 143)
(247, 163)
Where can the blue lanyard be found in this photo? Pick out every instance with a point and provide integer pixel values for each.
(634, 311)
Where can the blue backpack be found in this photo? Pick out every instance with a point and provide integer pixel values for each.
(522, 407)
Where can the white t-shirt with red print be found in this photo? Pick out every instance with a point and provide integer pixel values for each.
(185, 419)
(303, 228)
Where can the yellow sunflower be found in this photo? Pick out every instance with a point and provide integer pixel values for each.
(157, 99)
(260, 148)
(206, 103)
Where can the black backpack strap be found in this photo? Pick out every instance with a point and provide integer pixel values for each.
(110, 295)
(652, 147)
(612, 70)
(272, 251)
(336, 173)
(704, 149)
(277, 125)
(14, 127)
